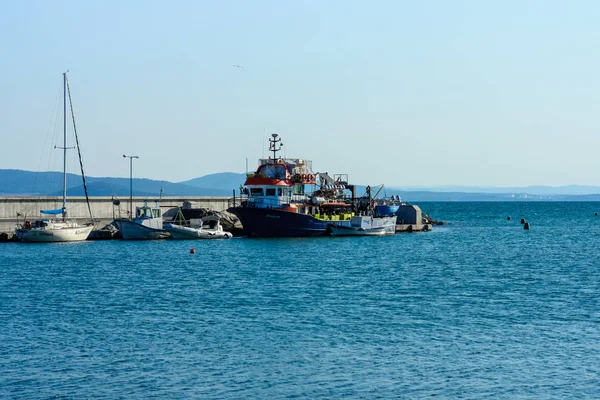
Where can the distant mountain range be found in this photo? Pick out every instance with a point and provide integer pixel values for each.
(27, 183)
(569, 190)
(19, 183)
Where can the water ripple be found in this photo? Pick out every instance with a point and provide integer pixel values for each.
(476, 309)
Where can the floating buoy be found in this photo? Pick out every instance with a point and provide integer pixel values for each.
(522, 220)
(508, 218)
(526, 226)
(192, 251)
(596, 214)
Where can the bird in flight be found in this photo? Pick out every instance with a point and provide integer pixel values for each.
(238, 66)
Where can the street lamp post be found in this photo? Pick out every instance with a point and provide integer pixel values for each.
(130, 184)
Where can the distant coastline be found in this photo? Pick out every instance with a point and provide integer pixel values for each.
(28, 183)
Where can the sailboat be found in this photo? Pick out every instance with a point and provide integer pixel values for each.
(59, 230)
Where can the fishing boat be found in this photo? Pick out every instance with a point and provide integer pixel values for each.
(62, 230)
(206, 228)
(147, 224)
(364, 226)
(388, 206)
(277, 200)
(338, 230)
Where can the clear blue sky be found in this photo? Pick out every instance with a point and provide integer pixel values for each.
(399, 92)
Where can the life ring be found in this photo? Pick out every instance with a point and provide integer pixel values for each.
(310, 177)
(303, 177)
(297, 178)
(27, 224)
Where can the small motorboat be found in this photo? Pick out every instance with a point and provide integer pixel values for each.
(206, 228)
(340, 230)
(147, 225)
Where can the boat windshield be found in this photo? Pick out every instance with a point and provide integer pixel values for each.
(144, 212)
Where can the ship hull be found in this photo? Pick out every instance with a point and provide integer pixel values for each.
(64, 234)
(185, 233)
(267, 222)
(132, 230)
(337, 230)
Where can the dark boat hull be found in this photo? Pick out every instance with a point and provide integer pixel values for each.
(267, 222)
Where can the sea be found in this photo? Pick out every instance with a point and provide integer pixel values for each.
(479, 308)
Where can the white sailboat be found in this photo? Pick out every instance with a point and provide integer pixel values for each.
(63, 230)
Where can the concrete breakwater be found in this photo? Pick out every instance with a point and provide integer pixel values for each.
(105, 209)
(15, 210)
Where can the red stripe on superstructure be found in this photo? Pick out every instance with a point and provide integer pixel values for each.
(267, 181)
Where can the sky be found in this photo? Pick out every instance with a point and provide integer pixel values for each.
(404, 93)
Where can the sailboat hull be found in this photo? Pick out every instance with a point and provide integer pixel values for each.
(63, 234)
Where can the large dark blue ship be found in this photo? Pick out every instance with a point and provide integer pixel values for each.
(275, 201)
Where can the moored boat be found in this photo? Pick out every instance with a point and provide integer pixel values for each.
(285, 198)
(388, 206)
(338, 230)
(364, 226)
(209, 228)
(63, 230)
(147, 225)
(54, 231)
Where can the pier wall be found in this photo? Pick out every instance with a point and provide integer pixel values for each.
(102, 207)
(409, 214)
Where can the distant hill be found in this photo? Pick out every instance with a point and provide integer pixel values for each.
(141, 187)
(100, 188)
(569, 190)
(27, 183)
(222, 180)
(20, 183)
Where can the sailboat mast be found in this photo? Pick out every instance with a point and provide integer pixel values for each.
(64, 202)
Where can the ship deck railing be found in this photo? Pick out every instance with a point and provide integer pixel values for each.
(272, 203)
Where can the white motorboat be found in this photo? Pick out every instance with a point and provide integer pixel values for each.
(364, 226)
(338, 230)
(63, 230)
(206, 228)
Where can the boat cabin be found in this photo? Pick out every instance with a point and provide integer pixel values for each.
(268, 196)
(146, 212)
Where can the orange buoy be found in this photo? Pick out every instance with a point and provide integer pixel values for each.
(192, 251)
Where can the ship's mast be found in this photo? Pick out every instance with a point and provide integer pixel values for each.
(64, 202)
(275, 144)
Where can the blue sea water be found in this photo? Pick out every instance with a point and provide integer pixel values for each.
(479, 308)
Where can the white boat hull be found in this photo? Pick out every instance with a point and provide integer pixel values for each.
(364, 226)
(132, 230)
(348, 231)
(184, 233)
(63, 234)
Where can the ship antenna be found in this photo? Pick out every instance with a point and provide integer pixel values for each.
(275, 144)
